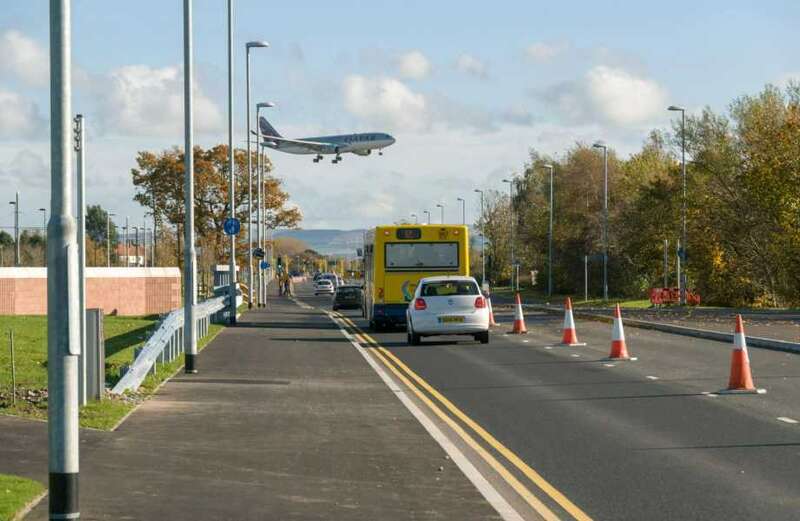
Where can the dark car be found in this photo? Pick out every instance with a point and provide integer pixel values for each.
(347, 297)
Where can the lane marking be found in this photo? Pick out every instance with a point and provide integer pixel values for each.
(575, 355)
(497, 501)
(786, 419)
(515, 460)
(651, 377)
(609, 365)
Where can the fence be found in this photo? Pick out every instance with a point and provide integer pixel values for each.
(166, 344)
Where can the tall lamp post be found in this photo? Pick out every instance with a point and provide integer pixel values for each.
(231, 170)
(463, 210)
(441, 207)
(428, 214)
(682, 255)
(109, 215)
(550, 237)
(605, 217)
(416, 219)
(248, 46)
(260, 228)
(511, 219)
(44, 231)
(15, 203)
(483, 243)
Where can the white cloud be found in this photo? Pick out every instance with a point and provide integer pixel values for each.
(24, 58)
(385, 101)
(148, 101)
(543, 52)
(19, 117)
(471, 65)
(26, 169)
(414, 65)
(609, 95)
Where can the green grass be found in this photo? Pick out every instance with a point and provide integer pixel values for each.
(123, 335)
(15, 493)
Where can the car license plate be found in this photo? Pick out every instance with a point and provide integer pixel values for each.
(450, 319)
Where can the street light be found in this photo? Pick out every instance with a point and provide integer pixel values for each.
(416, 219)
(15, 204)
(511, 219)
(260, 231)
(231, 170)
(109, 215)
(483, 242)
(429, 215)
(682, 251)
(248, 46)
(44, 231)
(463, 210)
(441, 206)
(550, 238)
(602, 145)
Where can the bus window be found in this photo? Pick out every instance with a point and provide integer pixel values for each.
(422, 255)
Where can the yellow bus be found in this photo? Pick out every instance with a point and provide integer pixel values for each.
(397, 257)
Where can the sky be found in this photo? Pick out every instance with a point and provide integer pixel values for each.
(467, 88)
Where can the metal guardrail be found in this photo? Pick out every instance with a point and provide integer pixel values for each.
(166, 344)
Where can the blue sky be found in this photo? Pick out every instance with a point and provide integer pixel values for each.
(466, 87)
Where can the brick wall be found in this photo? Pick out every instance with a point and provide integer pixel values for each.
(124, 291)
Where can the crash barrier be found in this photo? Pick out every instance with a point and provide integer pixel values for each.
(672, 296)
(166, 344)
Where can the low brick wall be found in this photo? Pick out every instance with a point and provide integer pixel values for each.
(123, 291)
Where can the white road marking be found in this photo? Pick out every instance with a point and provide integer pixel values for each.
(710, 394)
(573, 355)
(548, 347)
(786, 419)
(525, 341)
(651, 377)
(609, 365)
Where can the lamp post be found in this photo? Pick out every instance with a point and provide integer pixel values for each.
(605, 217)
(125, 238)
(682, 255)
(15, 203)
(44, 231)
(441, 207)
(109, 215)
(260, 229)
(511, 219)
(248, 46)
(483, 243)
(231, 170)
(550, 238)
(429, 215)
(416, 219)
(463, 210)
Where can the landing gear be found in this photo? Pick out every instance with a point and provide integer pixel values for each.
(318, 158)
(337, 159)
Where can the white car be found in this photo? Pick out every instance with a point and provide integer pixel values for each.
(323, 287)
(450, 305)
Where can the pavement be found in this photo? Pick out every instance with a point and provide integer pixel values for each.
(285, 420)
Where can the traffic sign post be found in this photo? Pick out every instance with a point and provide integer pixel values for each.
(231, 226)
(264, 265)
(259, 253)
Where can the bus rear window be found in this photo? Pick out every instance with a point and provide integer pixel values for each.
(422, 256)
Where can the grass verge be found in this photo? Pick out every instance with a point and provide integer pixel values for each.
(15, 494)
(123, 335)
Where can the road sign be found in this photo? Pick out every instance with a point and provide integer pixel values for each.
(264, 265)
(231, 226)
(258, 253)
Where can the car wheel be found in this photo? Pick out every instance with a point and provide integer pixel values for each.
(483, 337)
(336, 308)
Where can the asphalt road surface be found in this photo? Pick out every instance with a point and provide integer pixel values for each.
(640, 440)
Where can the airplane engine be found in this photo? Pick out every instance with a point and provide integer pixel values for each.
(362, 152)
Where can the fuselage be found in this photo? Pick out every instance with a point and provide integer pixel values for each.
(361, 144)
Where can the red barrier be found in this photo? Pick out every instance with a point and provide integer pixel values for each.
(672, 296)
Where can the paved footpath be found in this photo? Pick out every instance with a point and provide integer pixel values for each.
(286, 420)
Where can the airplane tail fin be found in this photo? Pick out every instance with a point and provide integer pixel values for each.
(267, 129)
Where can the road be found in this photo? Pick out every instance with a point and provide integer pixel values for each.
(642, 440)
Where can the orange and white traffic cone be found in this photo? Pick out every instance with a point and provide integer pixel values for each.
(741, 379)
(570, 337)
(519, 320)
(492, 322)
(619, 351)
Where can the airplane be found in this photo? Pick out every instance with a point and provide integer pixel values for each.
(360, 144)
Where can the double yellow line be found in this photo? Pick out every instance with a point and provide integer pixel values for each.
(405, 374)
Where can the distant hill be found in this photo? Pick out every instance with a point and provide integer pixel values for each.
(328, 242)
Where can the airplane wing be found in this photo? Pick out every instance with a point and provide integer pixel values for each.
(315, 146)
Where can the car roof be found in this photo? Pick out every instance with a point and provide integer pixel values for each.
(448, 278)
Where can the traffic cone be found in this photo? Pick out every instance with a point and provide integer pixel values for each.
(741, 380)
(519, 320)
(570, 337)
(619, 351)
(492, 322)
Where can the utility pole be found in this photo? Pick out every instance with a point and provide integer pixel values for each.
(44, 232)
(463, 210)
(682, 279)
(231, 168)
(15, 202)
(63, 341)
(125, 238)
(605, 218)
(79, 142)
(189, 253)
(511, 219)
(483, 244)
(666, 263)
(108, 238)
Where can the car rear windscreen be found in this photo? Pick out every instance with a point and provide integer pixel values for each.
(347, 292)
(449, 288)
(421, 256)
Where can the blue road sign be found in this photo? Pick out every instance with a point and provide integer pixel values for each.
(264, 265)
(231, 226)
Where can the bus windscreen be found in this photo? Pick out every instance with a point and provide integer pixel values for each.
(422, 256)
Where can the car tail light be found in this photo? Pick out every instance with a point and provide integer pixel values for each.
(480, 303)
(420, 304)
